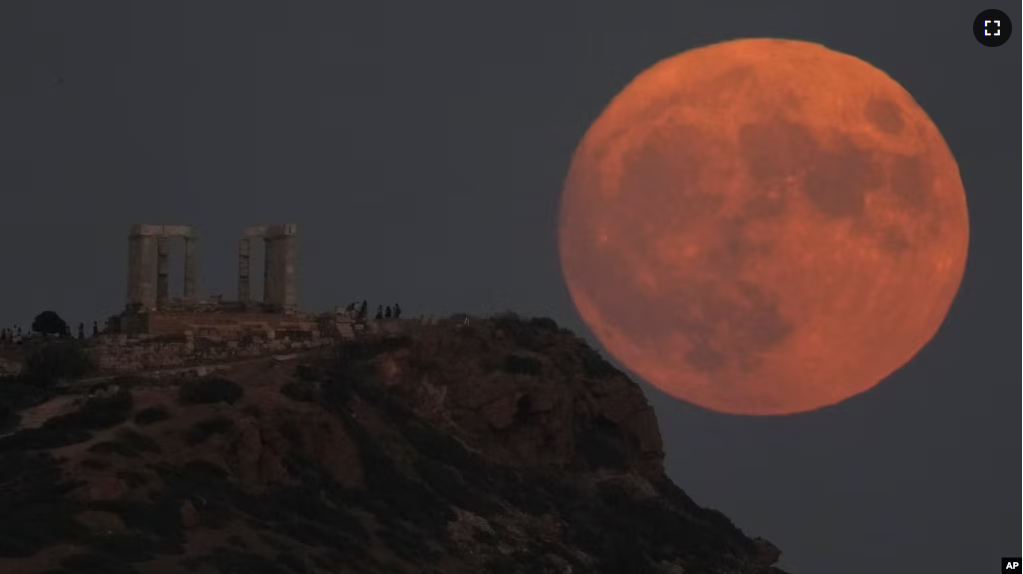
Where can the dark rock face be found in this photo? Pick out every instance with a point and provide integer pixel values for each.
(527, 395)
(504, 446)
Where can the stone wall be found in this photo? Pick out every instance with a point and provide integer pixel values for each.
(227, 325)
(182, 339)
(123, 354)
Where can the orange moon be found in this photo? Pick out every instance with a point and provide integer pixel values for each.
(763, 227)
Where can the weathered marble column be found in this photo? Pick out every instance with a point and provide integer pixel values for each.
(132, 295)
(140, 268)
(280, 267)
(244, 268)
(162, 271)
(269, 277)
(188, 290)
(286, 294)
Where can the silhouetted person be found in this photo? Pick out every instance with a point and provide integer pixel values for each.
(380, 312)
(387, 312)
(3, 335)
(397, 311)
(81, 331)
(95, 329)
(363, 309)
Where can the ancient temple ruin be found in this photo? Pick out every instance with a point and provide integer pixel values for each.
(160, 335)
(149, 267)
(150, 309)
(148, 260)
(278, 265)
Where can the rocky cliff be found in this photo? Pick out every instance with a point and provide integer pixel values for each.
(497, 446)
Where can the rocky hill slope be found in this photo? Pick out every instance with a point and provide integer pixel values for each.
(503, 446)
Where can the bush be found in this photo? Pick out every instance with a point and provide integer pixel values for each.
(302, 391)
(95, 464)
(97, 413)
(127, 382)
(16, 396)
(9, 420)
(35, 514)
(367, 349)
(594, 365)
(201, 431)
(42, 439)
(545, 324)
(292, 562)
(133, 478)
(49, 323)
(306, 372)
(519, 365)
(151, 415)
(225, 559)
(113, 447)
(128, 443)
(20, 395)
(127, 547)
(138, 441)
(523, 333)
(159, 520)
(60, 360)
(602, 445)
(94, 564)
(210, 391)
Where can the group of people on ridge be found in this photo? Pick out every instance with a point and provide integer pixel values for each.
(14, 335)
(361, 311)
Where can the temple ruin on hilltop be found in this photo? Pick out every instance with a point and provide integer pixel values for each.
(142, 242)
(150, 310)
(158, 333)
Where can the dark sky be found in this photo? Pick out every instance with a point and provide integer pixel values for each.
(421, 147)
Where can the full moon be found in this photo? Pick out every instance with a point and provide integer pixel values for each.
(763, 227)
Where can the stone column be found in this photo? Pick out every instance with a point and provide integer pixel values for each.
(279, 271)
(244, 267)
(188, 290)
(269, 267)
(148, 296)
(286, 295)
(162, 271)
(133, 296)
(140, 269)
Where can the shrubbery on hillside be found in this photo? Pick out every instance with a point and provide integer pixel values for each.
(205, 429)
(152, 415)
(59, 360)
(96, 413)
(302, 391)
(210, 391)
(16, 396)
(519, 365)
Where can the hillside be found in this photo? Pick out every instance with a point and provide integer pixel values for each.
(503, 446)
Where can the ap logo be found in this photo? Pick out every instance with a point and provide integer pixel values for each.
(1012, 565)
